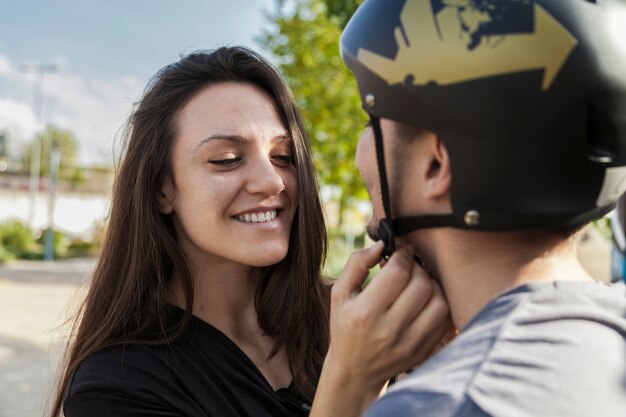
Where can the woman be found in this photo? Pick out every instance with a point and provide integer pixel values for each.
(207, 299)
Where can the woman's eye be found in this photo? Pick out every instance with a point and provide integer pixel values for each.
(225, 161)
(287, 159)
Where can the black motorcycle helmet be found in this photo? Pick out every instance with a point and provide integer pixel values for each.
(528, 96)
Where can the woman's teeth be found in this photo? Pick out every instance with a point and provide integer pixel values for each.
(257, 217)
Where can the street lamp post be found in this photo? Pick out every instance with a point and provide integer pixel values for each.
(55, 159)
(35, 157)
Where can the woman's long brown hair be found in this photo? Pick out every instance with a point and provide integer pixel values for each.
(126, 302)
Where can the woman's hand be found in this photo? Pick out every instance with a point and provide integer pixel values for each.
(390, 326)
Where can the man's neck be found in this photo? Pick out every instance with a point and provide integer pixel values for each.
(474, 267)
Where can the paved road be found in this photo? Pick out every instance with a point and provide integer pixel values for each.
(35, 298)
(35, 301)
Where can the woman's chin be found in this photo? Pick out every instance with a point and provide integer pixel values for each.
(268, 261)
(269, 256)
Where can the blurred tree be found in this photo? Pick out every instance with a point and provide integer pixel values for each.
(4, 144)
(68, 148)
(18, 239)
(304, 40)
(341, 10)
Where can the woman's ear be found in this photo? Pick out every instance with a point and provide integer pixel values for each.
(166, 197)
(438, 176)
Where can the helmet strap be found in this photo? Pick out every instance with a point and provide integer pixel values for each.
(405, 225)
(388, 228)
(385, 225)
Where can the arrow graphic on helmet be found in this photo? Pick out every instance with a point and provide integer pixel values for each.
(439, 47)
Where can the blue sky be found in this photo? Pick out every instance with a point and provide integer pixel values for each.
(106, 51)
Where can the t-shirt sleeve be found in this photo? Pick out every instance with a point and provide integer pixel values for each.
(405, 403)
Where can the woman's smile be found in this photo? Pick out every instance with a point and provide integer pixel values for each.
(258, 217)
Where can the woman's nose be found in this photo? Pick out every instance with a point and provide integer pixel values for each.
(264, 178)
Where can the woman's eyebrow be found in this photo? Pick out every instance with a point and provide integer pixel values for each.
(280, 138)
(237, 139)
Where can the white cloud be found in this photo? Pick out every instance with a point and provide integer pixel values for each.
(93, 109)
(5, 66)
(18, 120)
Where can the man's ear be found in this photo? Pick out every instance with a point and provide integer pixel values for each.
(166, 197)
(437, 175)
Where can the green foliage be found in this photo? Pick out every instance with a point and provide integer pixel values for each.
(18, 239)
(305, 43)
(79, 248)
(5, 255)
(68, 148)
(60, 242)
(4, 143)
(341, 10)
(338, 256)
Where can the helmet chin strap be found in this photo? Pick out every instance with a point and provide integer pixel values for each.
(385, 226)
(389, 228)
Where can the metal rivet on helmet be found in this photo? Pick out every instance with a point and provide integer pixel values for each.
(472, 218)
(370, 100)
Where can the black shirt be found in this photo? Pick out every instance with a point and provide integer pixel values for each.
(202, 373)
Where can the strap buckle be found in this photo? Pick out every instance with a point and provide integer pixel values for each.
(385, 233)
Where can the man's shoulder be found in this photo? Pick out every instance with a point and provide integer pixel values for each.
(408, 403)
(440, 387)
(519, 352)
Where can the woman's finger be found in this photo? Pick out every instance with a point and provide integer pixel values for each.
(356, 270)
(385, 288)
(410, 302)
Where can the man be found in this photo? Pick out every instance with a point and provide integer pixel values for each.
(498, 131)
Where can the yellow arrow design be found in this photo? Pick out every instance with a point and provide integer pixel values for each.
(436, 48)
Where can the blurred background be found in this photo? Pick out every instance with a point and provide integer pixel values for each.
(70, 72)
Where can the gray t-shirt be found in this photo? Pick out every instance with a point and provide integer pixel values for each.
(543, 349)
